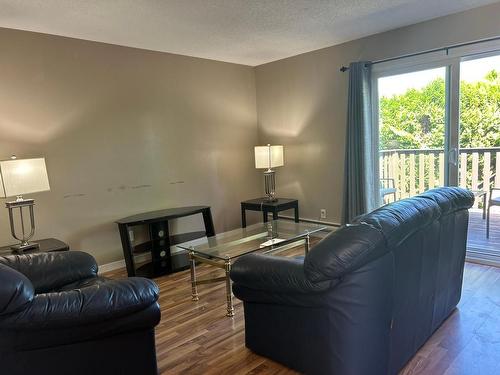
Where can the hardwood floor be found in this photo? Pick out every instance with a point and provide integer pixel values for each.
(197, 337)
(476, 237)
(469, 341)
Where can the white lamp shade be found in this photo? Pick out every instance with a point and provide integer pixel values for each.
(23, 176)
(269, 156)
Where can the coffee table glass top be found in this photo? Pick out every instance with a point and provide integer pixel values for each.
(261, 236)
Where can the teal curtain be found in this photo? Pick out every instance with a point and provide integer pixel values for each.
(361, 181)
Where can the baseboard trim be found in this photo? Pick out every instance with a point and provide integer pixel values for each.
(482, 257)
(108, 267)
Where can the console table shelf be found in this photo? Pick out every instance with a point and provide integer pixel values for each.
(175, 239)
(159, 243)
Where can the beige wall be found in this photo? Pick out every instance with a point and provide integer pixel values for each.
(124, 131)
(302, 102)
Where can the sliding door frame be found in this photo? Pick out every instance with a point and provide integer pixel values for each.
(450, 60)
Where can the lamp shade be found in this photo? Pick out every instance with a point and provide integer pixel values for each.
(23, 176)
(269, 156)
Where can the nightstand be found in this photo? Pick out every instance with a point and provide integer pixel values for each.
(260, 204)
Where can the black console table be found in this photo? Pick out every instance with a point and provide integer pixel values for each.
(160, 240)
(261, 204)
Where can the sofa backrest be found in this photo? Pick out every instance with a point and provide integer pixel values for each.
(372, 235)
(50, 271)
(343, 251)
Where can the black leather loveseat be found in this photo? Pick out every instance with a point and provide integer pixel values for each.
(366, 297)
(58, 317)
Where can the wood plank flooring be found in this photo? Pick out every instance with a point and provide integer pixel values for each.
(469, 341)
(197, 337)
(476, 238)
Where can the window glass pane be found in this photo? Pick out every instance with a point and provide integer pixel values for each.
(479, 154)
(412, 116)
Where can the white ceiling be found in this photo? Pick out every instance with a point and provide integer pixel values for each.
(250, 32)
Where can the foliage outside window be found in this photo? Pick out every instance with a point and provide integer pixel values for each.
(416, 118)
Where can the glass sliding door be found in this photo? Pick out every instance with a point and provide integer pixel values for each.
(439, 124)
(479, 152)
(413, 123)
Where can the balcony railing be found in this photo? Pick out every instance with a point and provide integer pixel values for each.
(415, 171)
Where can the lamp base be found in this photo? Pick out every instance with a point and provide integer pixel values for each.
(24, 238)
(270, 199)
(270, 185)
(19, 248)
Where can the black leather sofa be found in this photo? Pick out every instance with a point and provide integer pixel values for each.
(367, 296)
(58, 317)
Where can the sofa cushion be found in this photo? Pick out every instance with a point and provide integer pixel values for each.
(49, 271)
(79, 307)
(449, 199)
(27, 338)
(274, 274)
(16, 291)
(399, 220)
(343, 251)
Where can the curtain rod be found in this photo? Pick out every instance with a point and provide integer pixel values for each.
(346, 68)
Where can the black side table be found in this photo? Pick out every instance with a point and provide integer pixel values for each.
(260, 204)
(47, 245)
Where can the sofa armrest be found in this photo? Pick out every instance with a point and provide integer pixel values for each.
(274, 274)
(79, 307)
(16, 291)
(49, 271)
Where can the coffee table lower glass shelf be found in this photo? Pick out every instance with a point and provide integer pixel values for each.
(221, 250)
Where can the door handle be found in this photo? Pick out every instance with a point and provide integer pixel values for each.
(453, 156)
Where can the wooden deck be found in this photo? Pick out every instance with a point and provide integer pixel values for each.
(477, 231)
(197, 338)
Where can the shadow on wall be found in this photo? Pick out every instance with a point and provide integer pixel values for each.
(314, 150)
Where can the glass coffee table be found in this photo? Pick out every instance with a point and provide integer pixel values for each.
(268, 238)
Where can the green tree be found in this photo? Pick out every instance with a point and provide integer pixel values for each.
(480, 112)
(416, 118)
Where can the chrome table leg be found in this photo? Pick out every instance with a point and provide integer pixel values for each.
(307, 243)
(194, 290)
(229, 293)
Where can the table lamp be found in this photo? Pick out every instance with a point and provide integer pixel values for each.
(18, 177)
(269, 157)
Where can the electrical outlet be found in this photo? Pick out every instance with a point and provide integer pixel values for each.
(322, 213)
